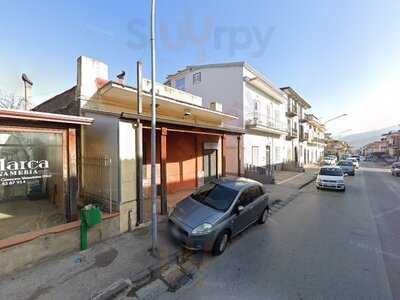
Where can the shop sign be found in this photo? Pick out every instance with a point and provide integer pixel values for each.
(19, 172)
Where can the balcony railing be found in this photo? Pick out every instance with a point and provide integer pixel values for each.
(303, 136)
(292, 134)
(292, 110)
(258, 119)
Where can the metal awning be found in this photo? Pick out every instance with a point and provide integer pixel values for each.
(166, 106)
(14, 114)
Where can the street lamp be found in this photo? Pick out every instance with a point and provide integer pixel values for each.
(335, 118)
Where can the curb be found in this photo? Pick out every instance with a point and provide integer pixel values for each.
(139, 280)
(307, 182)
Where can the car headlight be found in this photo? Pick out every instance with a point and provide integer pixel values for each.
(340, 181)
(202, 229)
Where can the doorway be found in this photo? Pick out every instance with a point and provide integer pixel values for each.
(210, 164)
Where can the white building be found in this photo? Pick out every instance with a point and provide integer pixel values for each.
(246, 93)
(305, 140)
(315, 130)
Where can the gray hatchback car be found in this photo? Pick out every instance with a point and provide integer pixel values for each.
(217, 211)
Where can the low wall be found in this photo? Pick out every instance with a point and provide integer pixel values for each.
(26, 250)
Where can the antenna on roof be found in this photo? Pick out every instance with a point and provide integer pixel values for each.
(28, 91)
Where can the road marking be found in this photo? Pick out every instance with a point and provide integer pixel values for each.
(386, 212)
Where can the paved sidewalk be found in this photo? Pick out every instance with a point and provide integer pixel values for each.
(81, 275)
(298, 180)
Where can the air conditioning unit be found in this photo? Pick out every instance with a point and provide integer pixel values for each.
(217, 106)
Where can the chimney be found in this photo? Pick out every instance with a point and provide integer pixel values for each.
(28, 91)
(92, 74)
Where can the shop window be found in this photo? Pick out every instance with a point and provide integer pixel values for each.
(31, 181)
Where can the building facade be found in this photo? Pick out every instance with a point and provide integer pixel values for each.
(259, 105)
(40, 186)
(193, 143)
(305, 139)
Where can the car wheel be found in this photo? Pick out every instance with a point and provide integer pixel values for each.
(343, 190)
(220, 243)
(264, 216)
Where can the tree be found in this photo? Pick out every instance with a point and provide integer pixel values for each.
(9, 100)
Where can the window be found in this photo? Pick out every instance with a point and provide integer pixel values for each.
(254, 155)
(196, 77)
(249, 195)
(215, 196)
(180, 84)
(31, 181)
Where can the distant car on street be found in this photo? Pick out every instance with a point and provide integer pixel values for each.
(347, 167)
(331, 177)
(355, 162)
(329, 160)
(217, 211)
(396, 169)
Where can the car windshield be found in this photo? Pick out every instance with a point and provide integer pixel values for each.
(345, 163)
(331, 172)
(215, 196)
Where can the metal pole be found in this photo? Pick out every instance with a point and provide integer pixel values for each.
(139, 146)
(153, 134)
(110, 184)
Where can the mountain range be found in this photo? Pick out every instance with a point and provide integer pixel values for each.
(358, 140)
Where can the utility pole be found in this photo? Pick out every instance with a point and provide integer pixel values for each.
(154, 232)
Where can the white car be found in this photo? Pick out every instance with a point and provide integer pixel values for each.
(396, 169)
(330, 177)
(356, 164)
(329, 160)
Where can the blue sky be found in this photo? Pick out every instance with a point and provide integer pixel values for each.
(342, 56)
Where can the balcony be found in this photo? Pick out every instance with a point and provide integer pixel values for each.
(292, 111)
(316, 142)
(313, 120)
(263, 123)
(292, 134)
(303, 136)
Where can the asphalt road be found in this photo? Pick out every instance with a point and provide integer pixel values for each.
(322, 245)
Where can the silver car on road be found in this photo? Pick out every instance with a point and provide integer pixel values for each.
(216, 212)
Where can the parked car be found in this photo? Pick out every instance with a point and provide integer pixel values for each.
(396, 169)
(329, 160)
(347, 167)
(331, 178)
(345, 157)
(217, 211)
(355, 162)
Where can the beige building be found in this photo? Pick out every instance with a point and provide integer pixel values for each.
(191, 142)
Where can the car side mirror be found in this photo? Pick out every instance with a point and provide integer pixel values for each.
(240, 209)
